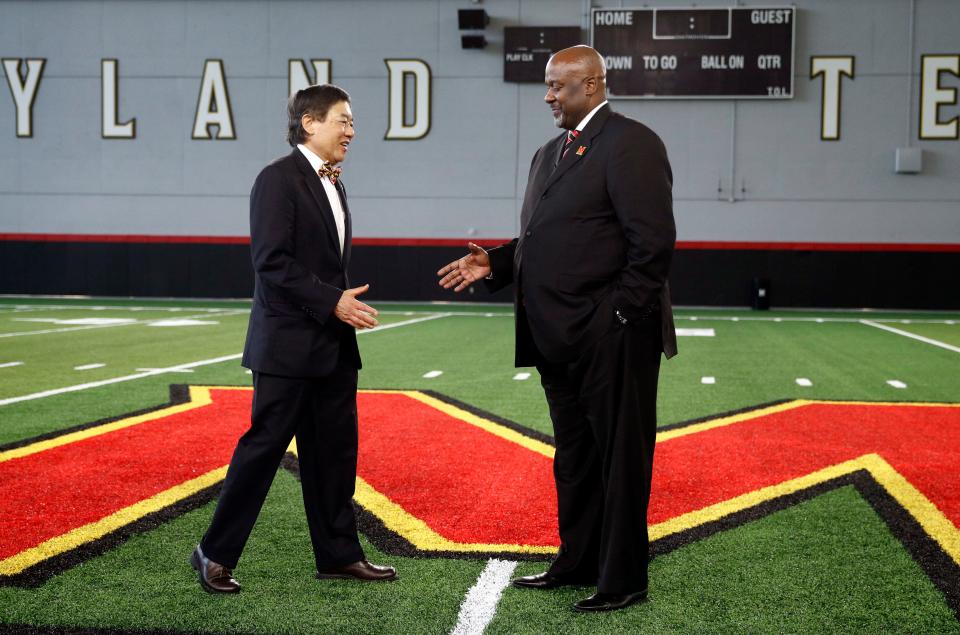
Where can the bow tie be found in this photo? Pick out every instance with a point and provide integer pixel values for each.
(332, 173)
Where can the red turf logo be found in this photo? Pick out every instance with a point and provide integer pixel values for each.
(465, 483)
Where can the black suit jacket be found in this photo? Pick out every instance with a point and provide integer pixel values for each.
(596, 238)
(300, 274)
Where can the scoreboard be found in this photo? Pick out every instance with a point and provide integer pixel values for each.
(697, 53)
(528, 48)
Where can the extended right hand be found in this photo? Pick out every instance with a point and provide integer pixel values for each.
(354, 312)
(461, 273)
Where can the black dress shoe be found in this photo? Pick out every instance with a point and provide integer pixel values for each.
(361, 570)
(546, 580)
(214, 577)
(609, 601)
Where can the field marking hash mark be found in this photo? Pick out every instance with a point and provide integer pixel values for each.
(169, 369)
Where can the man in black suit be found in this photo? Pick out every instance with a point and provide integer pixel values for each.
(302, 349)
(593, 315)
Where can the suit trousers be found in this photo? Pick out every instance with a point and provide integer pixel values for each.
(322, 414)
(604, 411)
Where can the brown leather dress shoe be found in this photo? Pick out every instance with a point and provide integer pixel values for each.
(361, 570)
(214, 578)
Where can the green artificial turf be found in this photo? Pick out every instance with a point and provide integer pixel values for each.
(946, 333)
(147, 583)
(826, 565)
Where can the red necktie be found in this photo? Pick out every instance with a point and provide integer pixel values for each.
(571, 135)
(332, 173)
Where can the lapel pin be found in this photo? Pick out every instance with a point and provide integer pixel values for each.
(581, 150)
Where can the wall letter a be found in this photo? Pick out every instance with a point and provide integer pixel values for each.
(213, 104)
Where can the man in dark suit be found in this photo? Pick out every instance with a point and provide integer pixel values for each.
(302, 349)
(593, 315)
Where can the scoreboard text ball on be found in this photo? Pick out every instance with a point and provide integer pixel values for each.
(732, 53)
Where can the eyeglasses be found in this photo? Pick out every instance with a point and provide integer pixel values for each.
(343, 123)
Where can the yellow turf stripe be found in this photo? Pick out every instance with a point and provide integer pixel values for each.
(422, 537)
(725, 421)
(750, 499)
(933, 521)
(97, 529)
(411, 528)
(912, 404)
(418, 533)
(484, 424)
(789, 405)
(199, 397)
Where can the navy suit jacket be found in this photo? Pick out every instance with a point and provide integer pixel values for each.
(300, 274)
(596, 240)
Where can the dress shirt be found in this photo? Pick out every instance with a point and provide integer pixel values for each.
(332, 194)
(586, 120)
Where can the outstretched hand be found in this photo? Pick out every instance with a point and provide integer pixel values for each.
(461, 273)
(354, 312)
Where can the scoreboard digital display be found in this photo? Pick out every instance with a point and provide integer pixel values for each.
(528, 48)
(716, 53)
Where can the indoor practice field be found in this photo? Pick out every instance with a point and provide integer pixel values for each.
(806, 477)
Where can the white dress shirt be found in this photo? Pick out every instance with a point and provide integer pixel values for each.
(332, 195)
(579, 129)
(586, 120)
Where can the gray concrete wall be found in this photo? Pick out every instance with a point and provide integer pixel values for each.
(466, 177)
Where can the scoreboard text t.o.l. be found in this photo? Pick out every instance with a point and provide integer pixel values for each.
(744, 52)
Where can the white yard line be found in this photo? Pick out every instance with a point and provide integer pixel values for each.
(11, 364)
(89, 366)
(913, 336)
(817, 320)
(107, 326)
(215, 311)
(696, 332)
(170, 369)
(117, 380)
(432, 374)
(106, 307)
(708, 381)
(896, 383)
(717, 318)
(65, 329)
(478, 313)
(384, 327)
(803, 381)
(522, 376)
(480, 604)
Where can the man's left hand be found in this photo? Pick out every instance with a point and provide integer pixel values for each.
(461, 273)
